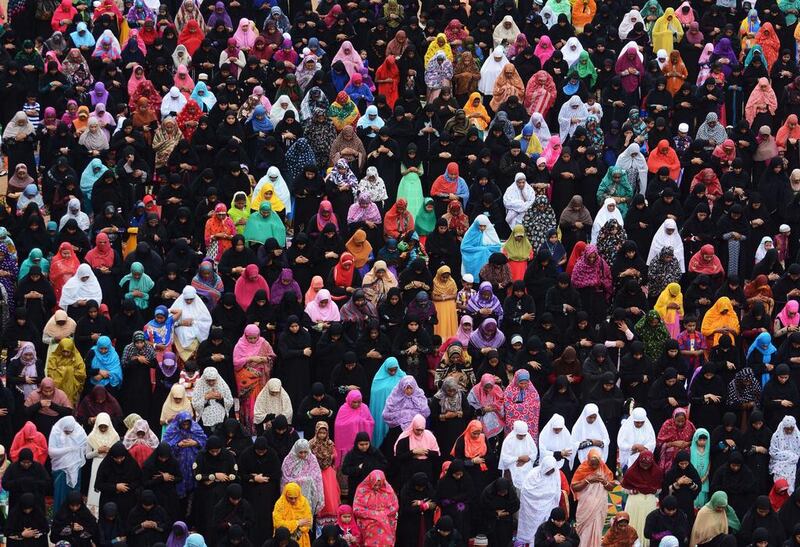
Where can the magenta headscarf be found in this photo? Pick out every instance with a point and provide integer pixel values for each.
(630, 59)
(544, 49)
(247, 285)
(350, 422)
(786, 321)
(597, 275)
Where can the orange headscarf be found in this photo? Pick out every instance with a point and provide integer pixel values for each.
(585, 470)
(789, 130)
(473, 448)
(359, 247)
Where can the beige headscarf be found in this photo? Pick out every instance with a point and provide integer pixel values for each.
(176, 402)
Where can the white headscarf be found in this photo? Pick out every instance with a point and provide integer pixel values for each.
(551, 442)
(513, 448)
(630, 19)
(19, 124)
(761, 252)
(75, 289)
(97, 438)
(635, 47)
(548, 16)
(491, 70)
(784, 450)
(274, 400)
(508, 34)
(197, 312)
(490, 236)
(66, 447)
(539, 494)
(630, 159)
(173, 102)
(185, 60)
(211, 412)
(583, 430)
(630, 435)
(74, 211)
(277, 111)
(542, 131)
(661, 239)
(603, 216)
(274, 177)
(573, 108)
(571, 51)
(517, 201)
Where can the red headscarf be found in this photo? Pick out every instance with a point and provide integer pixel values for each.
(644, 481)
(664, 156)
(191, 36)
(102, 256)
(341, 276)
(389, 71)
(29, 437)
(789, 130)
(446, 183)
(699, 265)
(397, 222)
(779, 494)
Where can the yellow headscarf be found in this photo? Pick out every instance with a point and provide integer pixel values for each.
(68, 373)
(670, 295)
(443, 288)
(286, 514)
(434, 48)
(667, 31)
(518, 251)
(274, 200)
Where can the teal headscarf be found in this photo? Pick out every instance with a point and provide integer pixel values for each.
(260, 228)
(719, 499)
(143, 284)
(701, 462)
(35, 258)
(751, 54)
(91, 175)
(616, 189)
(382, 386)
(425, 222)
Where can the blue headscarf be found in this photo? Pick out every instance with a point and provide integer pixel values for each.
(82, 40)
(263, 124)
(763, 345)
(91, 175)
(207, 100)
(108, 361)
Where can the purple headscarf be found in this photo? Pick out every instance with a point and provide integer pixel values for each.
(219, 17)
(173, 541)
(400, 408)
(278, 288)
(487, 335)
(723, 49)
(99, 94)
(364, 210)
(477, 301)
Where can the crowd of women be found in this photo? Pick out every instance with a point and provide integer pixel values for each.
(372, 273)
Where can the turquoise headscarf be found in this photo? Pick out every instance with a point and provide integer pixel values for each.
(143, 284)
(701, 462)
(259, 228)
(623, 188)
(35, 258)
(91, 175)
(751, 54)
(382, 386)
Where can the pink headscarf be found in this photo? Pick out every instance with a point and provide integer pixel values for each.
(552, 151)
(244, 348)
(786, 321)
(426, 440)
(348, 55)
(350, 422)
(319, 313)
(245, 39)
(247, 285)
(544, 49)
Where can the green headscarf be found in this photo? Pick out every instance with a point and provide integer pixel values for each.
(653, 337)
(35, 254)
(425, 222)
(623, 188)
(144, 284)
(585, 67)
(259, 228)
(719, 499)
